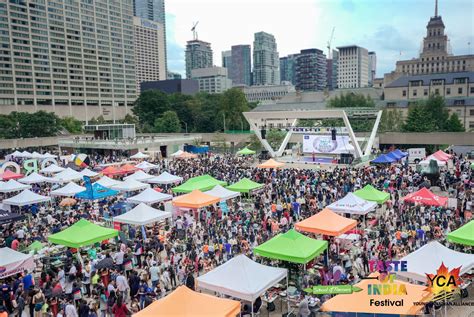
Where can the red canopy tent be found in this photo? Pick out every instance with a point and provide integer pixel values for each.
(111, 171)
(128, 168)
(7, 175)
(441, 156)
(426, 197)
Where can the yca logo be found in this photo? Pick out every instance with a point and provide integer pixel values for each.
(444, 281)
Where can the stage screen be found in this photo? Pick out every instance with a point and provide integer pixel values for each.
(323, 144)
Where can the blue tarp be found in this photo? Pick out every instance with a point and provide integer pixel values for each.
(400, 153)
(383, 159)
(395, 156)
(196, 149)
(98, 192)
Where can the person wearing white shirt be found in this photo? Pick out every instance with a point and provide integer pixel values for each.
(122, 285)
(70, 310)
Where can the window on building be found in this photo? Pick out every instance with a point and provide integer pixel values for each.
(471, 124)
(436, 91)
(448, 91)
(425, 92)
(460, 90)
(471, 112)
(414, 92)
(404, 93)
(459, 102)
(472, 90)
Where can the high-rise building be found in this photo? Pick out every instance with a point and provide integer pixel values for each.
(172, 75)
(288, 68)
(265, 60)
(240, 71)
(311, 70)
(149, 45)
(153, 10)
(335, 69)
(198, 55)
(73, 58)
(435, 56)
(227, 59)
(353, 68)
(212, 80)
(372, 67)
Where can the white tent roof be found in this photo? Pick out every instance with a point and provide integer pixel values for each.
(222, 193)
(15, 262)
(149, 196)
(142, 215)
(139, 176)
(146, 166)
(427, 160)
(242, 278)
(88, 172)
(69, 190)
(108, 182)
(352, 204)
(428, 258)
(130, 185)
(53, 168)
(49, 155)
(140, 156)
(25, 154)
(12, 186)
(35, 178)
(36, 155)
(177, 153)
(68, 175)
(25, 198)
(16, 154)
(165, 178)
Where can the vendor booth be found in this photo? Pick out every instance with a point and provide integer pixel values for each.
(82, 233)
(271, 163)
(425, 197)
(195, 200)
(164, 179)
(52, 169)
(326, 222)
(142, 215)
(184, 302)
(98, 192)
(372, 194)
(244, 185)
(140, 176)
(128, 169)
(69, 190)
(131, 185)
(149, 196)
(463, 235)
(12, 186)
(384, 159)
(7, 175)
(107, 182)
(35, 178)
(352, 204)
(111, 171)
(202, 183)
(26, 198)
(13, 262)
(246, 151)
(139, 156)
(9, 217)
(223, 193)
(66, 176)
(145, 166)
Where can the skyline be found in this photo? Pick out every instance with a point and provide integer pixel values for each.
(394, 34)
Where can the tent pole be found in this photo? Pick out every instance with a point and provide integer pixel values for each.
(287, 295)
(251, 305)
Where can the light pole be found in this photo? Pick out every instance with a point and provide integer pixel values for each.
(186, 125)
(241, 125)
(223, 115)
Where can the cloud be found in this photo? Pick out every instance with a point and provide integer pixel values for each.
(348, 5)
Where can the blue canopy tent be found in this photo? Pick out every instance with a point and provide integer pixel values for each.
(96, 191)
(395, 156)
(400, 153)
(383, 159)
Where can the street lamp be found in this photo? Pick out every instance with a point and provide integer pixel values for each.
(186, 125)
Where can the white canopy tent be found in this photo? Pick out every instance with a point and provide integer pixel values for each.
(25, 198)
(130, 185)
(36, 155)
(165, 178)
(16, 154)
(146, 166)
(142, 215)
(139, 176)
(35, 178)
(88, 172)
(66, 176)
(12, 186)
(177, 153)
(149, 196)
(52, 169)
(139, 156)
(427, 160)
(25, 154)
(49, 155)
(222, 193)
(352, 204)
(241, 278)
(428, 258)
(69, 190)
(108, 182)
(14, 262)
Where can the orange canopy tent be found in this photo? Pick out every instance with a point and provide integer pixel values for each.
(326, 222)
(184, 302)
(7, 175)
(111, 171)
(271, 163)
(186, 155)
(128, 168)
(359, 302)
(195, 199)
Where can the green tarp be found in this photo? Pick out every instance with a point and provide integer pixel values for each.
(292, 246)
(82, 233)
(245, 185)
(372, 194)
(203, 183)
(463, 235)
(246, 151)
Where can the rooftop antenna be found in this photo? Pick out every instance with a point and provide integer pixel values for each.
(195, 35)
(436, 8)
(329, 42)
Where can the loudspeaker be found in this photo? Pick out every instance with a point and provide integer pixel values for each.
(264, 133)
(333, 134)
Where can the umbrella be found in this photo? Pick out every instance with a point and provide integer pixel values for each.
(82, 160)
(67, 202)
(106, 263)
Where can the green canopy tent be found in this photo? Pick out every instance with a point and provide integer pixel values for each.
(81, 234)
(202, 183)
(35, 246)
(463, 235)
(372, 194)
(246, 151)
(245, 185)
(472, 165)
(292, 246)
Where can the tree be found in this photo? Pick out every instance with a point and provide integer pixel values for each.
(38, 124)
(418, 120)
(129, 119)
(391, 121)
(8, 128)
(151, 104)
(254, 143)
(167, 123)
(435, 110)
(72, 125)
(453, 124)
(351, 100)
(275, 138)
(233, 103)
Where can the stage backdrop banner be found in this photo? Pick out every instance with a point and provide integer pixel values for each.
(323, 144)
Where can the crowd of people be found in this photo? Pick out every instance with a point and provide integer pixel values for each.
(124, 276)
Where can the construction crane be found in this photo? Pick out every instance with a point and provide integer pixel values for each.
(330, 41)
(195, 35)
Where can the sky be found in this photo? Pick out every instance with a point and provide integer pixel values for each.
(394, 29)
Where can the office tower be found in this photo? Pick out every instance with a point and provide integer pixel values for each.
(353, 68)
(372, 67)
(198, 55)
(240, 71)
(288, 68)
(226, 59)
(311, 70)
(212, 80)
(332, 70)
(153, 10)
(149, 40)
(265, 60)
(73, 58)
